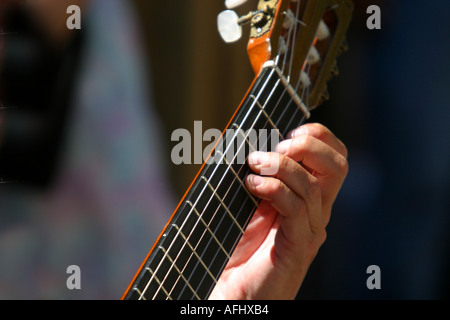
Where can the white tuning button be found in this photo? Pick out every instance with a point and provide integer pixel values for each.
(228, 26)
(305, 79)
(289, 20)
(282, 46)
(231, 4)
(313, 56)
(322, 32)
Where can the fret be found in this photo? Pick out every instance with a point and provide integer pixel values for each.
(198, 272)
(181, 274)
(222, 203)
(185, 238)
(199, 240)
(141, 295)
(153, 276)
(289, 117)
(240, 181)
(292, 92)
(231, 192)
(241, 132)
(208, 229)
(267, 116)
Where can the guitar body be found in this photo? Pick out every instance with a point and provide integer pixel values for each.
(293, 47)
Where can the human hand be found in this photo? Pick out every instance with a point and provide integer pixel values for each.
(288, 227)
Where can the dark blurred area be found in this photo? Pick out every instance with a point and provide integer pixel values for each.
(37, 81)
(389, 105)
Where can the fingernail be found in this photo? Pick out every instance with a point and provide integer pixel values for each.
(302, 131)
(258, 158)
(283, 147)
(255, 180)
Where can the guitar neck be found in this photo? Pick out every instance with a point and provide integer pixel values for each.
(196, 244)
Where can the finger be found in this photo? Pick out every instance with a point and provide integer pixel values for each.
(328, 165)
(291, 207)
(315, 154)
(322, 133)
(296, 179)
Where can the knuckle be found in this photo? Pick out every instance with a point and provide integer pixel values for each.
(315, 190)
(301, 142)
(344, 151)
(300, 207)
(276, 187)
(320, 130)
(322, 237)
(343, 165)
(282, 161)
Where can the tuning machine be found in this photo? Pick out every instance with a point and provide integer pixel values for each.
(231, 4)
(230, 24)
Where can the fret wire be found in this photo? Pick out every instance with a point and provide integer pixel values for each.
(240, 180)
(208, 229)
(195, 253)
(185, 238)
(267, 116)
(267, 100)
(239, 130)
(222, 203)
(180, 275)
(212, 233)
(269, 119)
(296, 110)
(256, 99)
(153, 274)
(246, 116)
(141, 296)
(242, 134)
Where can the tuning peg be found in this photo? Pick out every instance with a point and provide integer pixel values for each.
(323, 31)
(305, 80)
(231, 4)
(313, 56)
(228, 26)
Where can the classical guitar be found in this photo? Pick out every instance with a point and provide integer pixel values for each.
(293, 48)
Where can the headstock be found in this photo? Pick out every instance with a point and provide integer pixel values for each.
(300, 38)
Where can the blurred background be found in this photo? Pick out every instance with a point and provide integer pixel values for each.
(86, 121)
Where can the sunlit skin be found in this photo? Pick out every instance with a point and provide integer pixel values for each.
(288, 227)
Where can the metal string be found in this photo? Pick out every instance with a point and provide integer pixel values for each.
(241, 146)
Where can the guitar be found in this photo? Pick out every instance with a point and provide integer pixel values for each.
(293, 48)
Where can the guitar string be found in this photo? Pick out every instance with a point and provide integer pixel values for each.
(214, 192)
(280, 119)
(190, 212)
(248, 169)
(266, 123)
(219, 225)
(215, 170)
(243, 144)
(292, 38)
(225, 196)
(236, 176)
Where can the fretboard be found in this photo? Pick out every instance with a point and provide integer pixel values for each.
(194, 248)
